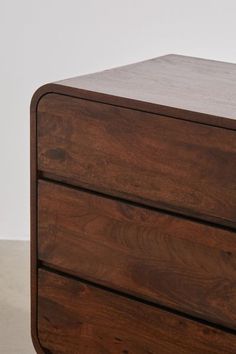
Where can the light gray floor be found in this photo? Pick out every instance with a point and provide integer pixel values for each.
(15, 298)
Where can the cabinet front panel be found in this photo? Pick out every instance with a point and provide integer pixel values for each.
(74, 317)
(169, 260)
(168, 163)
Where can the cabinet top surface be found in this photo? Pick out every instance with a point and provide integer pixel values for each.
(176, 82)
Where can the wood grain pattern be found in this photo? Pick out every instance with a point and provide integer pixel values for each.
(177, 85)
(77, 318)
(183, 87)
(171, 261)
(160, 133)
(175, 165)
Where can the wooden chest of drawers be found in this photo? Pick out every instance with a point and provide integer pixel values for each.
(133, 210)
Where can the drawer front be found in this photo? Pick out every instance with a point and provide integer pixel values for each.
(172, 164)
(169, 260)
(74, 317)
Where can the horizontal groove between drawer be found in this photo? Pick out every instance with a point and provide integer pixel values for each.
(48, 267)
(45, 177)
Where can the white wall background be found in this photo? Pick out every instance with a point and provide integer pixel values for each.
(48, 40)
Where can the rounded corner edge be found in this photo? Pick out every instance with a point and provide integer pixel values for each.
(36, 342)
(39, 93)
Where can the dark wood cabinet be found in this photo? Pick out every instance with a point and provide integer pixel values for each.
(133, 210)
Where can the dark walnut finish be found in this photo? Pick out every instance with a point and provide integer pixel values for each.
(74, 317)
(174, 85)
(171, 164)
(139, 251)
(133, 210)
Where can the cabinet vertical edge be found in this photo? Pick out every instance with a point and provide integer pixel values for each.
(43, 90)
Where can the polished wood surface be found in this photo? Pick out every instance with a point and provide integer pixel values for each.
(78, 318)
(174, 165)
(139, 251)
(133, 210)
(173, 82)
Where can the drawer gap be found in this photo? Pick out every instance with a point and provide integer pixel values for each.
(51, 178)
(46, 266)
